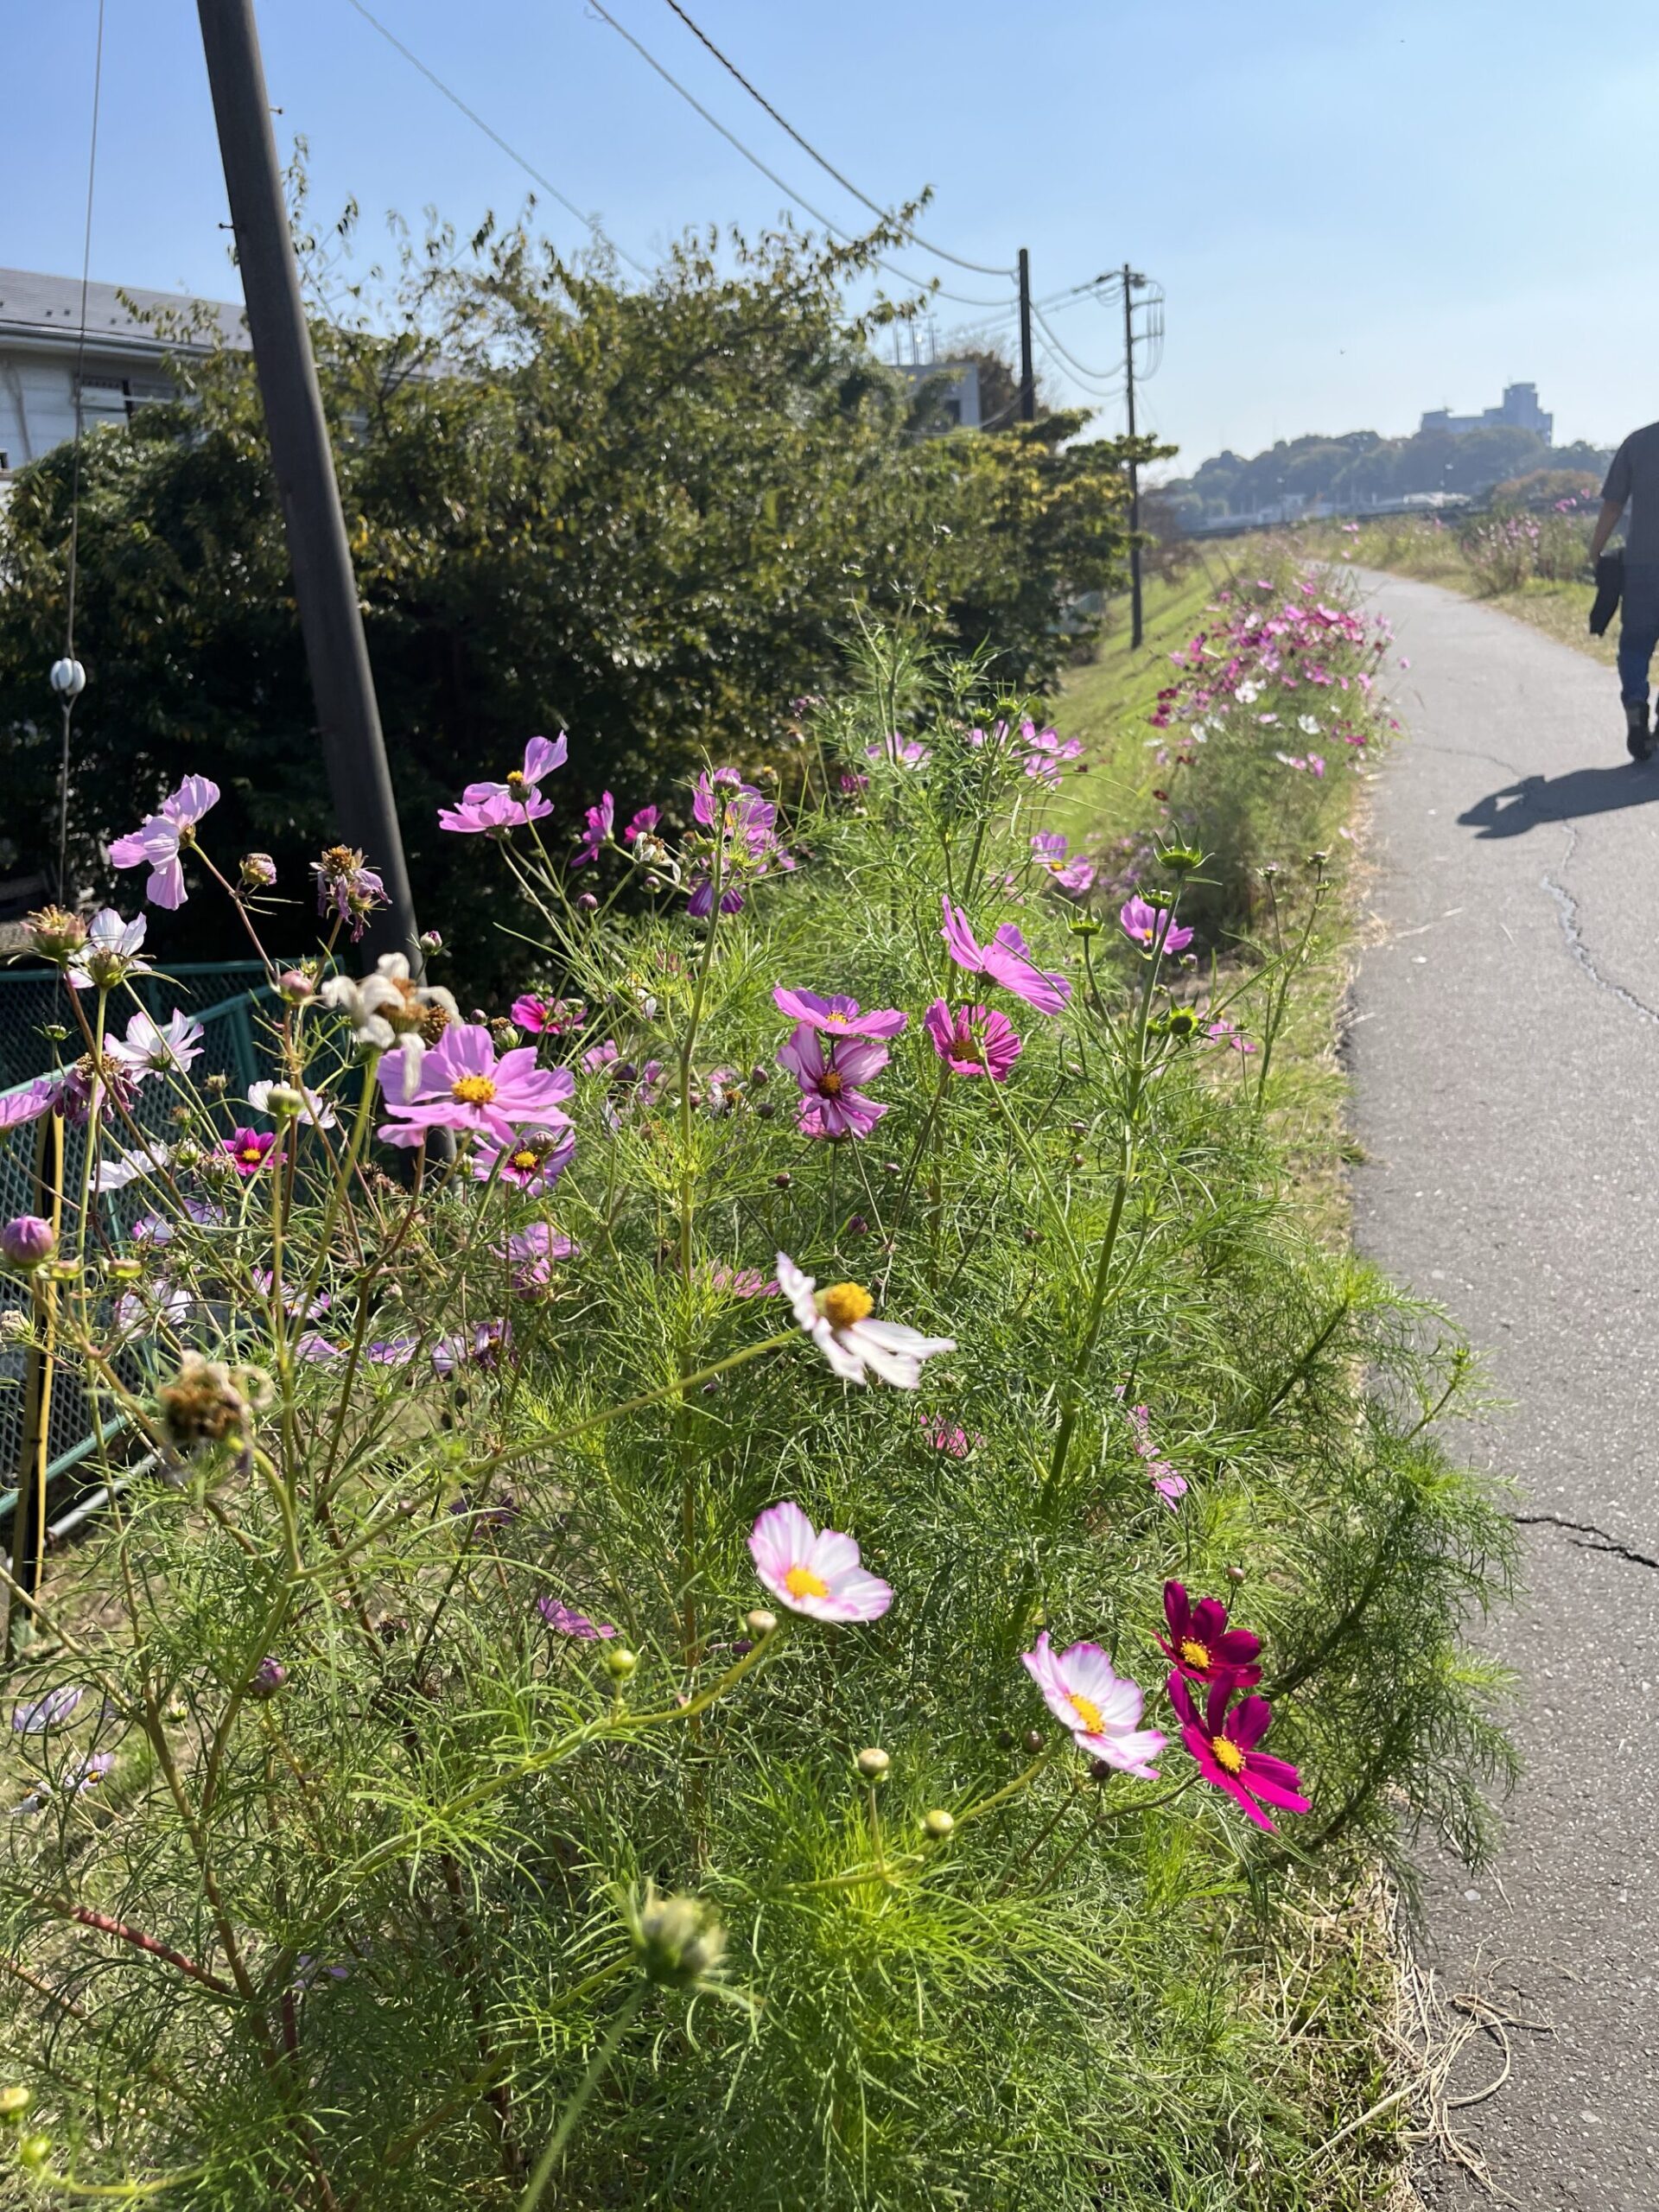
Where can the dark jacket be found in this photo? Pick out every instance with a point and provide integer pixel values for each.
(1609, 590)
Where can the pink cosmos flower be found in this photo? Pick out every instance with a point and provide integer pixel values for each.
(349, 890)
(838, 1017)
(903, 752)
(642, 824)
(533, 1161)
(742, 1282)
(746, 825)
(599, 1055)
(601, 820)
(147, 1048)
(1229, 1033)
(563, 1622)
(831, 1104)
(531, 1256)
(974, 1040)
(507, 805)
(1101, 1708)
(1049, 850)
(838, 1321)
(251, 1150)
(1224, 1744)
(947, 1437)
(460, 1084)
(157, 844)
(1006, 960)
(813, 1571)
(1170, 1486)
(1203, 1647)
(1154, 927)
(26, 1102)
(545, 1018)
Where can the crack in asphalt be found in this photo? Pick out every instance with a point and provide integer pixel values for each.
(1575, 1530)
(1472, 752)
(1567, 907)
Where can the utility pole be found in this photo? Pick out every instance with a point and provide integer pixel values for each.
(325, 586)
(1129, 281)
(1027, 381)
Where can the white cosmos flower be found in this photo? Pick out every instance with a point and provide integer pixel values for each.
(111, 952)
(838, 1321)
(1308, 725)
(115, 1174)
(147, 1047)
(1248, 694)
(317, 1111)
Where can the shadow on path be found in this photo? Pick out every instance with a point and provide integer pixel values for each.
(1535, 800)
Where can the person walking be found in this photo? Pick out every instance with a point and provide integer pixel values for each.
(1633, 482)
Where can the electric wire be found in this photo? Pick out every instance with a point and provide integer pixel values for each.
(917, 284)
(939, 252)
(1082, 369)
(75, 467)
(495, 138)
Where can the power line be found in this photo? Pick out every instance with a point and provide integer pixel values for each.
(495, 137)
(939, 252)
(754, 159)
(1102, 375)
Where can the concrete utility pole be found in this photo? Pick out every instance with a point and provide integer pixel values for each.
(325, 586)
(1027, 380)
(1129, 281)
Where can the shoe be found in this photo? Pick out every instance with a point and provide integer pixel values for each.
(1638, 736)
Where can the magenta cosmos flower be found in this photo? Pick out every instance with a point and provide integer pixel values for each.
(251, 1150)
(838, 1320)
(974, 1040)
(1101, 1708)
(816, 1571)
(533, 1161)
(547, 1018)
(1070, 871)
(1006, 960)
(1202, 1646)
(829, 1074)
(507, 805)
(746, 825)
(838, 1017)
(1154, 927)
(460, 1084)
(563, 1620)
(158, 842)
(601, 820)
(1224, 1746)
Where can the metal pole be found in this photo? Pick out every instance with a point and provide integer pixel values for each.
(1134, 469)
(325, 586)
(1027, 381)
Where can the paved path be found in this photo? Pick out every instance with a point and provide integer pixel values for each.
(1506, 1059)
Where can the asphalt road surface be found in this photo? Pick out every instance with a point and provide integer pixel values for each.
(1505, 1056)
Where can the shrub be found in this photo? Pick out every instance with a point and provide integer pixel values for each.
(454, 1793)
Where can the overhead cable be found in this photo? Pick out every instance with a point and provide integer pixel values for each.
(1081, 368)
(917, 284)
(495, 137)
(939, 252)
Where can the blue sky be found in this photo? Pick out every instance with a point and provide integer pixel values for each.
(1356, 214)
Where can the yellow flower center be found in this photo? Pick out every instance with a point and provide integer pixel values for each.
(473, 1090)
(1194, 1653)
(843, 1303)
(829, 1084)
(1089, 1713)
(515, 777)
(1229, 1758)
(525, 1161)
(801, 1582)
(251, 1154)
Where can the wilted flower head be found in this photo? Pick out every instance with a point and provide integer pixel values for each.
(347, 888)
(388, 1008)
(209, 1403)
(564, 1621)
(54, 932)
(258, 871)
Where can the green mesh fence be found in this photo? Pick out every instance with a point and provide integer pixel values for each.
(226, 998)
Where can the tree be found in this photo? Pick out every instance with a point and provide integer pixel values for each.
(649, 517)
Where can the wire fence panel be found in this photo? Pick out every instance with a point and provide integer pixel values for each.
(234, 1045)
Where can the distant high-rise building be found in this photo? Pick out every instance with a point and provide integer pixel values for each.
(1517, 411)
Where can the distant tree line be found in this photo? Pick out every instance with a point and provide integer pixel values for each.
(1362, 469)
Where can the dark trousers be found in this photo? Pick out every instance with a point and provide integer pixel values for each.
(1640, 631)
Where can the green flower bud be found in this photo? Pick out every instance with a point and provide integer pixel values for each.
(33, 2151)
(873, 1764)
(938, 1823)
(284, 1102)
(14, 2101)
(759, 1623)
(621, 1662)
(677, 1940)
(1180, 859)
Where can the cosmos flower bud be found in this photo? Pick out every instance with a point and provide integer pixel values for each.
(268, 1677)
(938, 1823)
(677, 1940)
(760, 1623)
(1235, 1574)
(33, 2153)
(1182, 859)
(430, 941)
(621, 1662)
(283, 1102)
(295, 986)
(258, 871)
(1033, 1739)
(27, 1241)
(588, 902)
(873, 1764)
(14, 2101)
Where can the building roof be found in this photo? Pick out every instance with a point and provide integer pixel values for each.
(33, 308)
